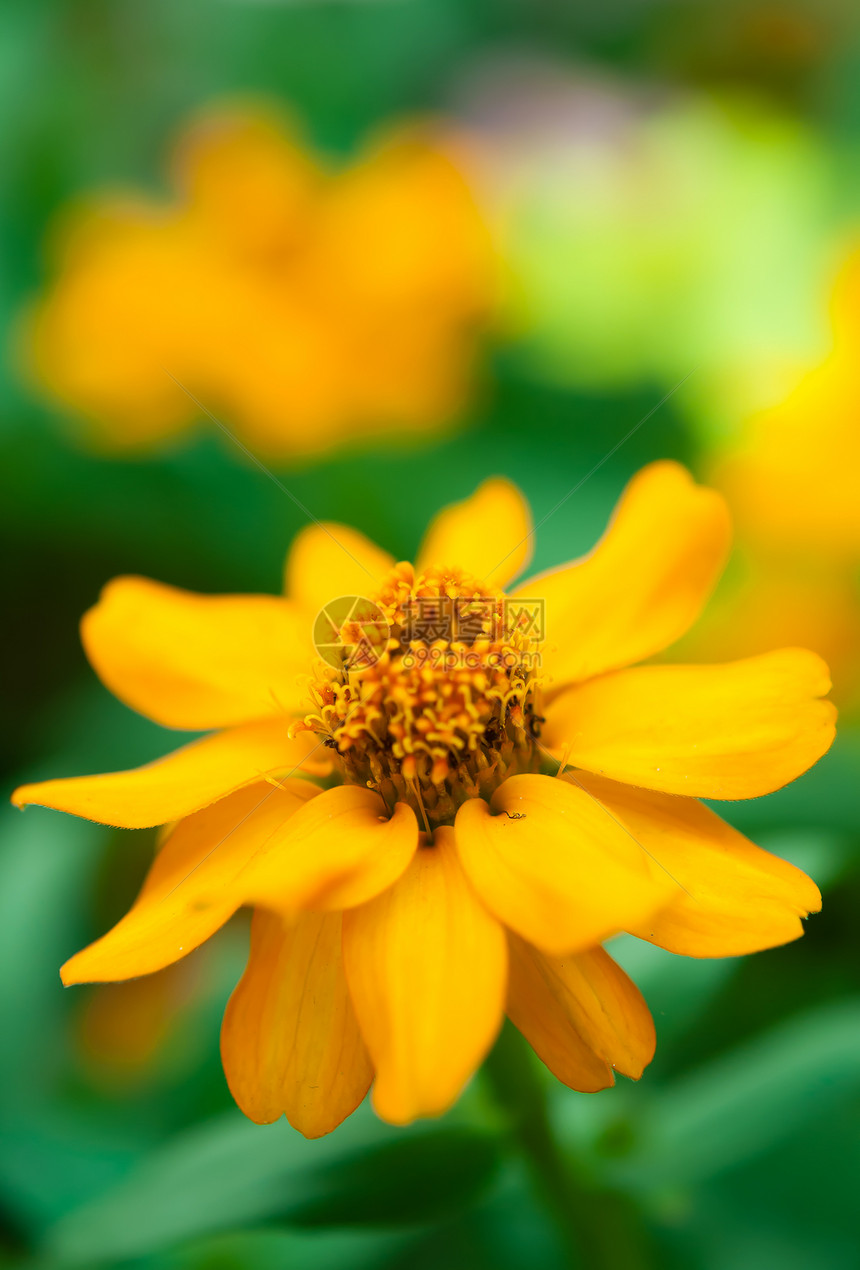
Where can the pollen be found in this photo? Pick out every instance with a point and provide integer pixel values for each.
(440, 703)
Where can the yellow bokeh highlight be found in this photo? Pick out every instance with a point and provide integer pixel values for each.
(791, 478)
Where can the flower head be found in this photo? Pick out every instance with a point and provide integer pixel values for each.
(502, 792)
(309, 305)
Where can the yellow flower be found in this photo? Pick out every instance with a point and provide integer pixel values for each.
(440, 877)
(306, 305)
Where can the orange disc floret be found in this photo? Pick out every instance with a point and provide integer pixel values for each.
(448, 705)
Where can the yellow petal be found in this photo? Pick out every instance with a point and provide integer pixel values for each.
(290, 1042)
(735, 730)
(328, 560)
(488, 534)
(197, 661)
(184, 781)
(426, 968)
(554, 866)
(644, 583)
(339, 850)
(191, 888)
(734, 898)
(581, 1015)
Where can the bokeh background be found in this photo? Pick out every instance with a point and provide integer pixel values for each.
(394, 247)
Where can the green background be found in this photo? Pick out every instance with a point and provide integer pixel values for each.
(741, 1145)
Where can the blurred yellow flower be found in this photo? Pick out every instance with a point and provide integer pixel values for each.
(442, 877)
(308, 306)
(792, 477)
(794, 474)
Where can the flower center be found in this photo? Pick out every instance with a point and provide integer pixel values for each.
(432, 700)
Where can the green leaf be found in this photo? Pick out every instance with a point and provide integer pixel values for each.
(45, 857)
(229, 1173)
(747, 1101)
(280, 1250)
(214, 1177)
(410, 1180)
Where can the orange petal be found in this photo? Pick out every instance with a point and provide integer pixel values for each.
(644, 583)
(290, 1042)
(488, 534)
(328, 560)
(197, 661)
(184, 781)
(339, 850)
(581, 1015)
(191, 889)
(426, 967)
(557, 869)
(736, 730)
(734, 898)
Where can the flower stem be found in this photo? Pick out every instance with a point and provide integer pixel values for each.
(600, 1228)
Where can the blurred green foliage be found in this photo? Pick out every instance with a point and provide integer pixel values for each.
(741, 1146)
